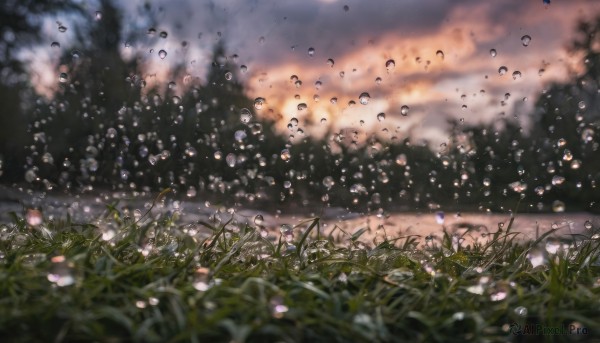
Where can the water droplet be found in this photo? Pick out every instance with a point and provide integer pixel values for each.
(581, 105)
(526, 40)
(404, 110)
(55, 45)
(63, 77)
(62, 28)
(311, 52)
(401, 160)
(552, 245)
(98, 15)
(176, 100)
(381, 116)
(258, 219)
(521, 311)
(439, 217)
(261, 40)
(364, 98)
(259, 103)
(390, 65)
(328, 182)
(231, 160)
(558, 206)
(286, 155)
(245, 115)
(228, 76)
(201, 278)
(333, 100)
(499, 293)
(493, 52)
(330, 62)
(557, 180)
(440, 54)
(163, 34)
(516, 75)
(243, 69)
(537, 257)
(162, 54)
(277, 307)
(378, 80)
(587, 225)
(502, 70)
(302, 106)
(346, 8)
(587, 135)
(60, 273)
(34, 217)
(218, 155)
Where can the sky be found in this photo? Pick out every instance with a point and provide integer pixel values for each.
(443, 67)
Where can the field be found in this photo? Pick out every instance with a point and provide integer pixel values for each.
(153, 280)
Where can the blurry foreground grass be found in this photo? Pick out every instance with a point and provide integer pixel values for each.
(152, 280)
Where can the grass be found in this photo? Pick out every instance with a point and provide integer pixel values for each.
(158, 281)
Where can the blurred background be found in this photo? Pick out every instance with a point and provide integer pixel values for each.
(408, 105)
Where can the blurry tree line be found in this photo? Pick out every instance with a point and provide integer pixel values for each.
(106, 129)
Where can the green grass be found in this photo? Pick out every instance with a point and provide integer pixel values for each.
(142, 285)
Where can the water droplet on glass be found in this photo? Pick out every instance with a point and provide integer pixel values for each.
(162, 54)
(55, 45)
(228, 76)
(258, 219)
(381, 116)
(261, 40)
(63, 77)
(404, 110)
(378, 80)
(390, 65)
(259, 103)
(364, 98)
(557, 180)
(516, 75)
(163, 34)
(62, 28)
(333, 100)
(328, 182)
(526, 40)
(245, 115)
(286, 155)
(98, 15)
(302, 106)
(230, 159)
(440, 54)
(502, 70)
(558, 206)
(330, 62)
(493, 52)
(311, 52)
(587, 225)
(581, 105)
(243, 69)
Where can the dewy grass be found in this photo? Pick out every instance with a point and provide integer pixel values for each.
(152, 280)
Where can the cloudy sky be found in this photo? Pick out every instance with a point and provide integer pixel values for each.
(440, 48)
